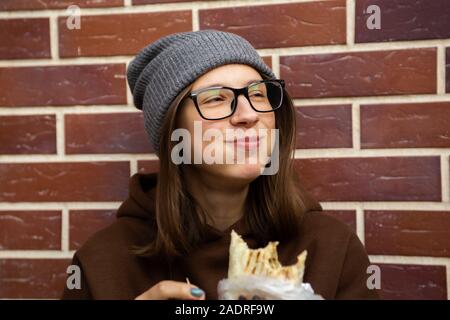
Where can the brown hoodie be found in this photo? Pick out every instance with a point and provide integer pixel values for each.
(335, 267)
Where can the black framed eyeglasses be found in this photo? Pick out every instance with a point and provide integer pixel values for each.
(215, 103)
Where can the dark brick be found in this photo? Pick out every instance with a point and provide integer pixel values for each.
(119, 34)
(64, 181)
(408, 233)
(372, 73)
(281, 25)
(324, 127)
(404, 20)
(30, 230)
(413, 282)
(372, 178)
(24, 38)
(63, 85)
(411, 125)
(32, 278)
(106, 133)
(28, 134)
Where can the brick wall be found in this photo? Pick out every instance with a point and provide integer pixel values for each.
(373, 110)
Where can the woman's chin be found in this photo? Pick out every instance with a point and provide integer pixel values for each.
(241, 171)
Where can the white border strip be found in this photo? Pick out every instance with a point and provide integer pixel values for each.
(367, 153)
(60, 135)
(418, 260)
(392, 99)
(65, 229)
(299, 154)
(36, 254)
(54, 37)
(195, 19)
(360, 224)
(391, 206)
(122, 157)
(356, 126)
(350, 26)
(69, 206)
(440, 69)
(326, 205)
(445, 179)
(291, 51)
(159, 7)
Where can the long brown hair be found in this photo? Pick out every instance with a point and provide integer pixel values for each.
(275, 203)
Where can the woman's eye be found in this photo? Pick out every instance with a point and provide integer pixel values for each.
(213, 100)
(256, 94)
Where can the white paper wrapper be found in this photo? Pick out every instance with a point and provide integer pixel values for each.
(265, 288)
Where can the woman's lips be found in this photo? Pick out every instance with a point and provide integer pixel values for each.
(246, 143)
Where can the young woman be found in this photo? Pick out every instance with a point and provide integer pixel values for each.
(176, 224)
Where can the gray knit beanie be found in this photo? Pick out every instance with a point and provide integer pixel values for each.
(161, 70)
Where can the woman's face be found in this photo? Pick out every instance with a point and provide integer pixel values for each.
(246, 163)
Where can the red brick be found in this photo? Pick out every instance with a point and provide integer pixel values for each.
(346, 216)
(64, 181)
(119, 34)
(413, 125)
(84, 223)
(63, 85)
(447, 71)
(404, 20)
(268, 61)
(56, 4)
(408, 233)
(30, 230)
(148, 166)
(106, 133)
(372, 73)
(413, 282)
(28, 134)
(281, 25)
(24, 38)
(372, 178)
(324, 127)
(32, 278)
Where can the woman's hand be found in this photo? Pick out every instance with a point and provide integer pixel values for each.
(168, 289)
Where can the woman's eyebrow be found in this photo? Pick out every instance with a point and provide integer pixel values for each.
(223, 85)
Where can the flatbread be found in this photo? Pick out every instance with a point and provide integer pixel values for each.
(262, 261)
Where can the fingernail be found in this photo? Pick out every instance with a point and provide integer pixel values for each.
(196, 292)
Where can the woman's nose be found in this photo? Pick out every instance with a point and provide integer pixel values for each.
(244, 113)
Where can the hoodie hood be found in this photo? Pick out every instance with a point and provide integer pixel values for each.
(140, 203)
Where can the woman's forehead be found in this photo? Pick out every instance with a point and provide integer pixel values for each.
(232, 75)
